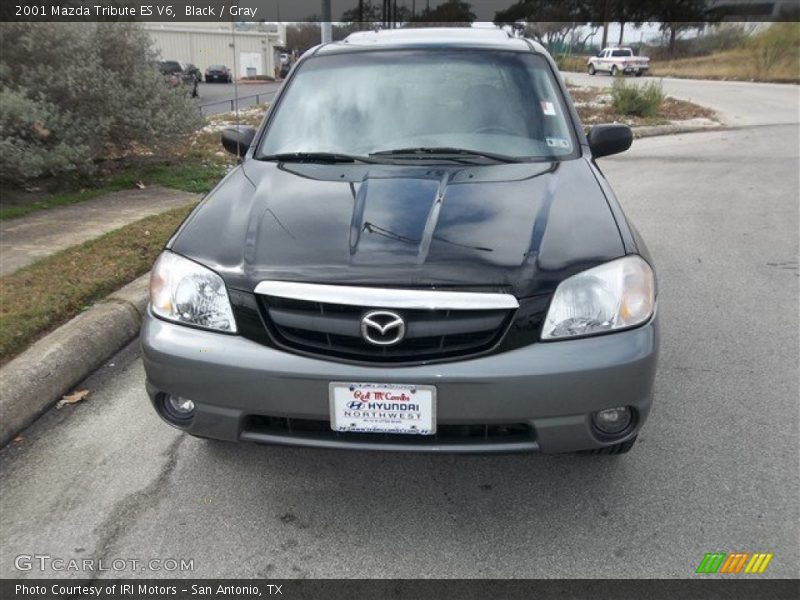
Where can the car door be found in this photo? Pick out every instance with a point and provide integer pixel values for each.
(605, 61)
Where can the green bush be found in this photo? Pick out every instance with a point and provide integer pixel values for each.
(636, 101)
(73, 93)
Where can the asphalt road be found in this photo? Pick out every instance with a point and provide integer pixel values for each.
(716, 467)
(215, 98)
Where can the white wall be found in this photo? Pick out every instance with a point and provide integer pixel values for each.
(212, 47)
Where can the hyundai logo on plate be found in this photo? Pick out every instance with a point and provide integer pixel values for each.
(383, 328)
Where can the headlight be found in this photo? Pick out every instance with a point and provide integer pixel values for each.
(186, 292)
(616, 295)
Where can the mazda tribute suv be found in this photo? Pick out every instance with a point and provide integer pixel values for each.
(416, 252)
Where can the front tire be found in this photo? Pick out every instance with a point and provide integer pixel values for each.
(639, 73)
(592, 70)
(614, 71)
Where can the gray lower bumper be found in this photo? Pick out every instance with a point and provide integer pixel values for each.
(553, 386)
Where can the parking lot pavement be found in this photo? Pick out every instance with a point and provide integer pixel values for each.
(715, 467)
(215, 98)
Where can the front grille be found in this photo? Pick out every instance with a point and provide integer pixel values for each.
(445, 434)
(334, 330)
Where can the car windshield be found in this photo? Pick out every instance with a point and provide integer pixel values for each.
(216, 68)
(417, 101)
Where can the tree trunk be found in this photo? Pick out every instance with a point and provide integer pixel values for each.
(605, 35)
(672, 34)
(621, 31)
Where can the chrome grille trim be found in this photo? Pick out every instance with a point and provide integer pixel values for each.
(387, 297)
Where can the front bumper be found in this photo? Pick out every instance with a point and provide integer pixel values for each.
(552, 387)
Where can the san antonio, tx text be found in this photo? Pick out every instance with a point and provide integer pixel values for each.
(59, 589)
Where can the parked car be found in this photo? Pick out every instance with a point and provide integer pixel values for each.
(180, 74)
(418, 252)
(618, 61)
(284, 64)
(216, 73)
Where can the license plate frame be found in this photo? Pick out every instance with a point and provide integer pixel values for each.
(409, 421)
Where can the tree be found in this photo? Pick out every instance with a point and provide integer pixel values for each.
(302, 36)
(75, 93)
(452, 13)
(676, 16)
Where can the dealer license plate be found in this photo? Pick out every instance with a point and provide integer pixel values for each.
(383, 408)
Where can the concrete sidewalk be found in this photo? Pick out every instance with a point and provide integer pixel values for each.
(27, 239)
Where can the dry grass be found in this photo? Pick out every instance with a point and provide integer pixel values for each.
(31, 305)
(739, 64)
(574, 62)
(594, 105)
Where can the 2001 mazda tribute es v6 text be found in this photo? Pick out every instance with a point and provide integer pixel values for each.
(417, 251)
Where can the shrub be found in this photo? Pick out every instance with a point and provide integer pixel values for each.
(73, 93)
(637, 101)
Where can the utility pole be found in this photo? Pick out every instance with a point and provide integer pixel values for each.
(325, 26)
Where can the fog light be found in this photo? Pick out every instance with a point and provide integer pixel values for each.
(613, 420)
(177, 409)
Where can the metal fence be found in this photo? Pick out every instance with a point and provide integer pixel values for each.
(231, 104)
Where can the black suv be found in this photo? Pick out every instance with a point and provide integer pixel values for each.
(416, 252)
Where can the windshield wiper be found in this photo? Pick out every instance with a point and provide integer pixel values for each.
(320, 157)
(444, 152)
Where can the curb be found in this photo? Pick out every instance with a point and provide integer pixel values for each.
(36, 379)
(675, 128)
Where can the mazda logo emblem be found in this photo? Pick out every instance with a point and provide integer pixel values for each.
(383, 328)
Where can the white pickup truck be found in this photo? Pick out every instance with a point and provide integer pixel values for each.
(618, 61)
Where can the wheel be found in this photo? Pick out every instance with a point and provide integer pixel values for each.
(621, 448)
(614, 70)
(639, 73)
(592, 70)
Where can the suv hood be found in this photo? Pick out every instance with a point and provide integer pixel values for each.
(519, 228)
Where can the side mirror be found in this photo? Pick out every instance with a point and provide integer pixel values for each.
(237, 140)
(605, 140)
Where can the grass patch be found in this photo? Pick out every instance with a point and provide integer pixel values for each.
(596, 105)
(573, 62)
(772, 55)
(733, 65)
(634, 100)
(39, 298)
(191, 175)
(12, 212)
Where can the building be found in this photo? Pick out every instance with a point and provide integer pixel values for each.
(247, 52)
